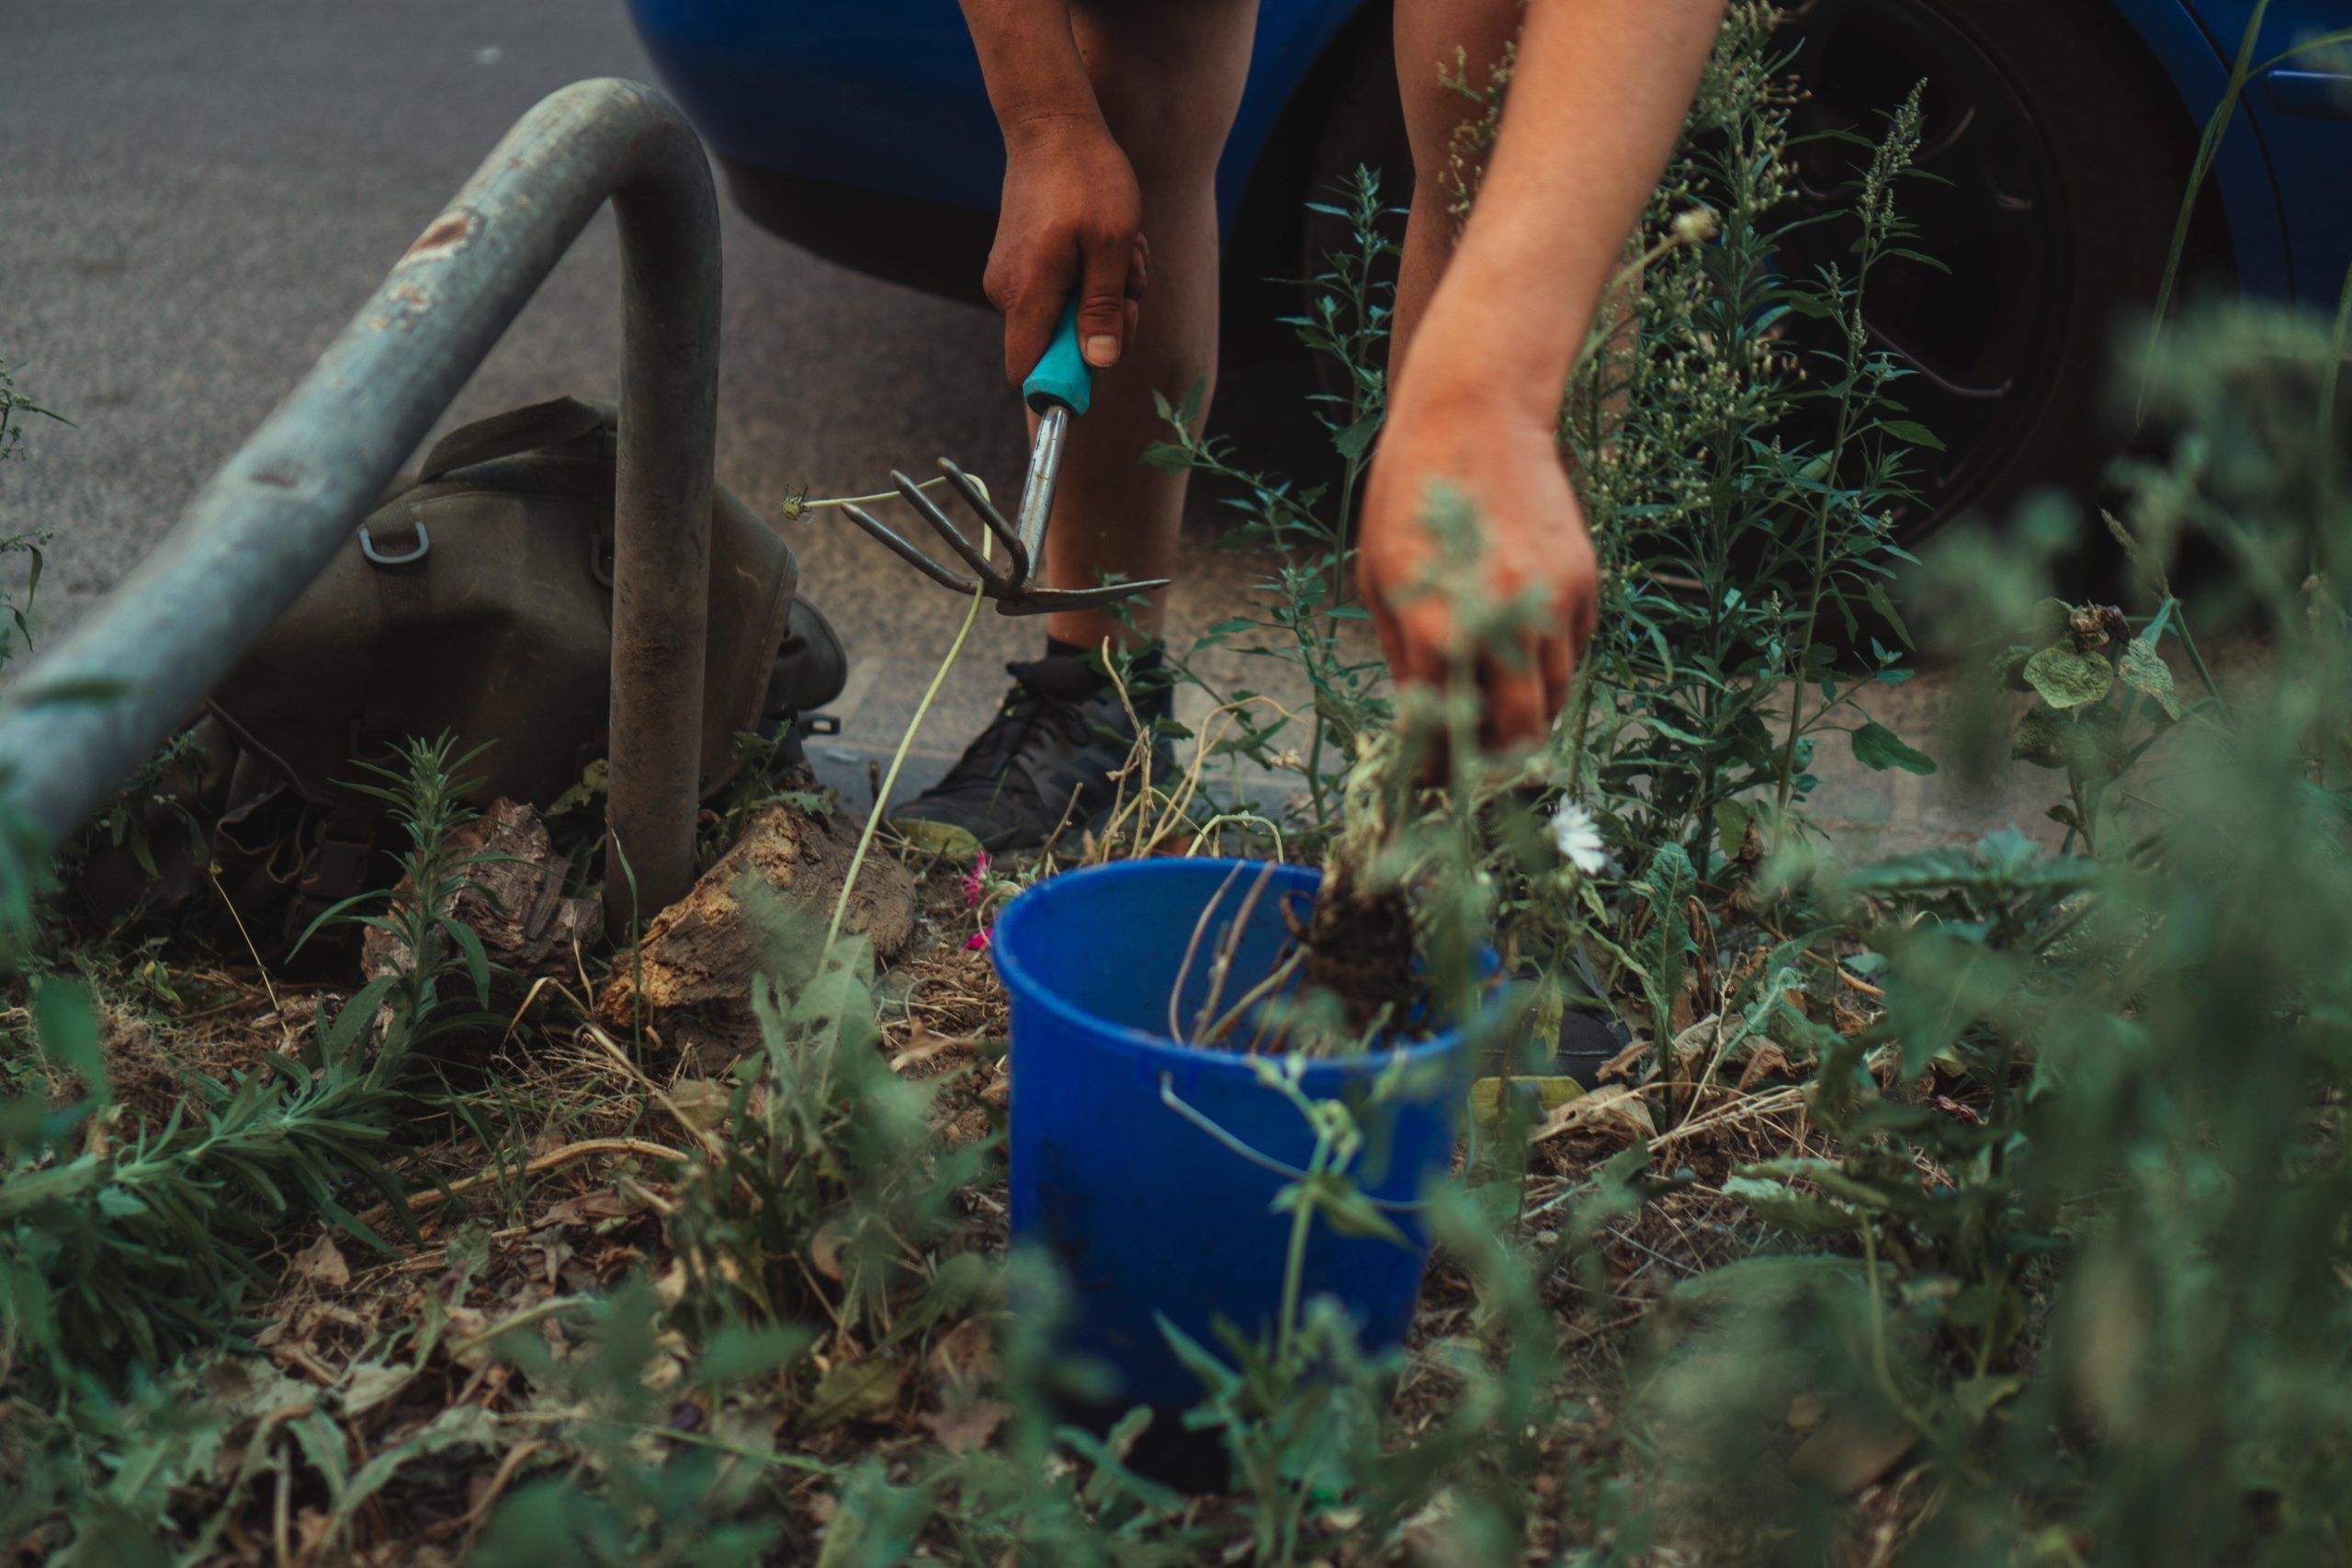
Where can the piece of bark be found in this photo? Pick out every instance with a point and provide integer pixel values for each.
(513, 899)
(700, 956)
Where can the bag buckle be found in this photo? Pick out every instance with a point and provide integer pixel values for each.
(417, 553)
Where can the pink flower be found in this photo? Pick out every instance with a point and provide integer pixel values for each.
(976, 883)
(977, 942)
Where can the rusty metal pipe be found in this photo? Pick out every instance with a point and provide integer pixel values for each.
(90, 710)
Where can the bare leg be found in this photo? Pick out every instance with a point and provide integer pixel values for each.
(1428, 32)
(1168, 74)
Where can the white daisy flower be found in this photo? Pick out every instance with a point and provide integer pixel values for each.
(1580, 839)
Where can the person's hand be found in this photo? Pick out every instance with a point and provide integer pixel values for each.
(1072, 222)
(1504, 460)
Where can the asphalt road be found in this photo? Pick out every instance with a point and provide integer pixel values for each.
(195, 198)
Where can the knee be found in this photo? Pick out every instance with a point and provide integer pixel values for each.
(1439, 45)
(1169, 79)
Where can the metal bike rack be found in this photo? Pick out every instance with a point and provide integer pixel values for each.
(90, 710)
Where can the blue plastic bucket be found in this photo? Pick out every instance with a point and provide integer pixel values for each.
(1146, 1208)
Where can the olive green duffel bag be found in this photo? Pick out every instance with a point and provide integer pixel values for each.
(476, 600)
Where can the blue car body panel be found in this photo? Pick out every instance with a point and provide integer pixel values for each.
(886, 95)
(2299, 116)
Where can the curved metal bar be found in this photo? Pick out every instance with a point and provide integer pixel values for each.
(944, 527)
(96, 706)
(1016, 553)
(1045, 601)
(906, 552)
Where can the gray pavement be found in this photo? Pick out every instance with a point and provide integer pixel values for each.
(194, 198)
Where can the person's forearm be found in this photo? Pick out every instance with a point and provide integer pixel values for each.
(1029, 58)
(1597, 99)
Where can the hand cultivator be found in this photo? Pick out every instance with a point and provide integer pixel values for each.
(1056, 389)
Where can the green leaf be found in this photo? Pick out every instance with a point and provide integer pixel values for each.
(1215, 1375)
(1876, 593)
(1353, 441)
(1347, 1211)
(2066, 679)
(740, 1352)
(1732, 820)
(1878, 748)
(468, 941)
(1800, 1213)
(1917, 434)
(862, 1390)
(2038, 740)
(2144, 671)
(73, 689)
(1189, 413)
(345, 1030)
(68, 1030)
(2008, 667)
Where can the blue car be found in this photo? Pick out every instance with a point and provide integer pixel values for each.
(2065, 130)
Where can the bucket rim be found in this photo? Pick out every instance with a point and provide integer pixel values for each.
(1004, 950)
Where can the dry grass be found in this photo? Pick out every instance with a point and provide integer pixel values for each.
(518, 1239)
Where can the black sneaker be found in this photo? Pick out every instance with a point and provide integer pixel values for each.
(1044, 764)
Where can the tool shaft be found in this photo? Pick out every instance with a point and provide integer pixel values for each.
(1037, 490)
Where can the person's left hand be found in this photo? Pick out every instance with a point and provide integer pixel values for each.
(1506, 462)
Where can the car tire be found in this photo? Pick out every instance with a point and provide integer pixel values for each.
(2070, 157)
(2104, 137)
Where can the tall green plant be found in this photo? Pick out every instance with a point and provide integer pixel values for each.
(2101, 1274)
(121, 1243)
(1742, 495)
(1305, 600)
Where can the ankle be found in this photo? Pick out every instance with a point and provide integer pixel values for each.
(1142, 670)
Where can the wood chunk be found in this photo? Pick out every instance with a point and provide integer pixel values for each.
(513, 899)
(700, 956)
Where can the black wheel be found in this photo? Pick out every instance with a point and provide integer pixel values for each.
(2065, 156)
(2060, 165)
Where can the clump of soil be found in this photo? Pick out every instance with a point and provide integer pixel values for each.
(1360, 948)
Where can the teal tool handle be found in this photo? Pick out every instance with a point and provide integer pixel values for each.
(1062, 376)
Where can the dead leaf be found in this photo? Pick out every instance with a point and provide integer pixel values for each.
(965, 1357)
(369, 1383)
(1850, 1450)
(588, 1210)
(1611, 1111)
(862, 1390)
(923, 1045)
(1486, 1095)
(311, 1526)
(825, 1249)
(700, 1103)
(961, 1431)
(321, 1263)
(1622, 1063)
(1769, 1062)
(1689, 1053)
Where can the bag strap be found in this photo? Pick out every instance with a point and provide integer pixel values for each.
(555, 423)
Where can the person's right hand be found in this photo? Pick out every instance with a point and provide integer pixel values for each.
(1072, 222)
